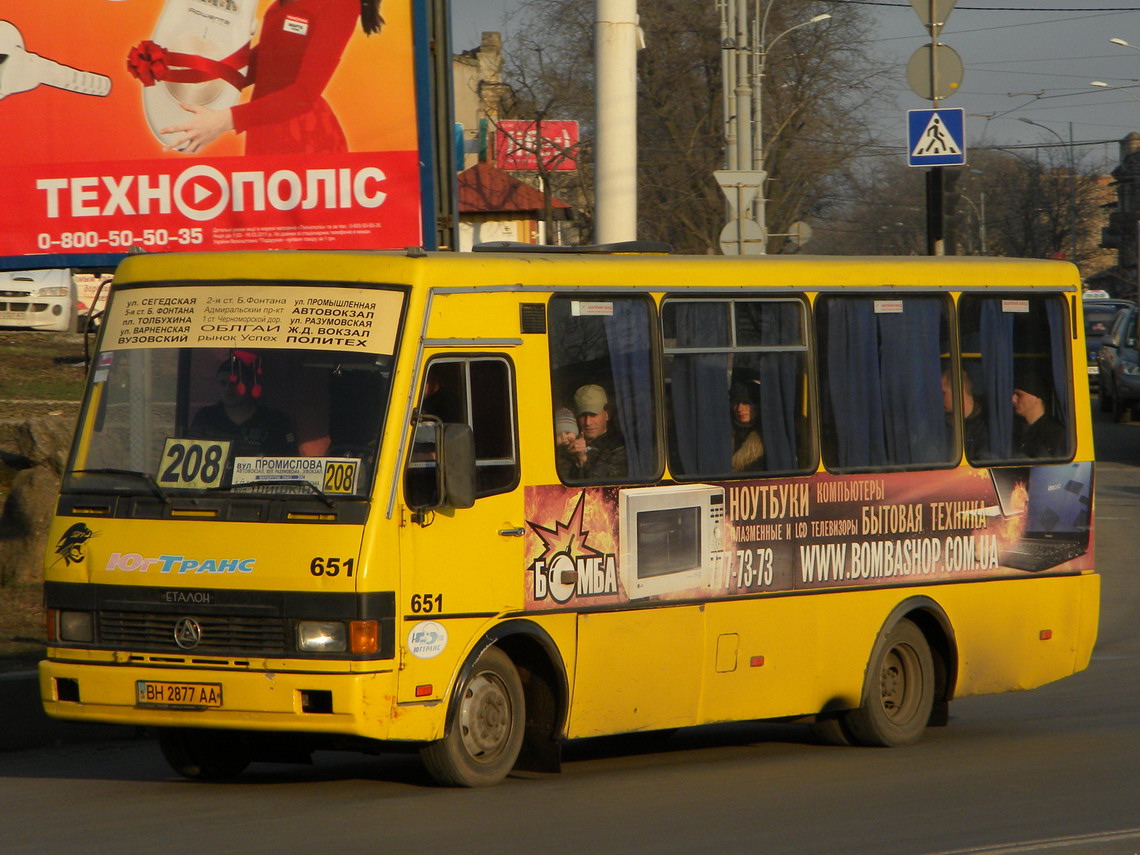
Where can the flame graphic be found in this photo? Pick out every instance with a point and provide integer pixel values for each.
(568, 537)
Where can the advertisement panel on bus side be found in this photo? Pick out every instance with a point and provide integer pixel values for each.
(593, 546)
(208, 124)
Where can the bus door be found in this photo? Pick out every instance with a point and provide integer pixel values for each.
(461, 565)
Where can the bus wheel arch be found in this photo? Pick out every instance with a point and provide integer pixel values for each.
(515, 656)
(909, 677)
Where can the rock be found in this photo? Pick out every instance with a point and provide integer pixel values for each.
(39, 453)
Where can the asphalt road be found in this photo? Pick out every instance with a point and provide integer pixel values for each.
(1053, 770)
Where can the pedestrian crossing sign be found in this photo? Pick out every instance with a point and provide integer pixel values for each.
(936, 137)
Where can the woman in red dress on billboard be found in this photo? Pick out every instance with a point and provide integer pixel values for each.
(300, 46)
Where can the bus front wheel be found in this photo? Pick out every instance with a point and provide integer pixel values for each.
(900, 693)
(485, 738)
(210, 755)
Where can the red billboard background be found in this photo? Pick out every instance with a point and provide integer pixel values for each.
(84, 168)
(519, 145)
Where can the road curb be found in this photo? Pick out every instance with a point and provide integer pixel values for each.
(26, 725)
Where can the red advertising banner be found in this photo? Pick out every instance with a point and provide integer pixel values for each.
(519, 145)
(207, 124)
(600, 546)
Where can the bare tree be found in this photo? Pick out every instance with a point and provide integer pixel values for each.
(816, 81)
(1009, 203)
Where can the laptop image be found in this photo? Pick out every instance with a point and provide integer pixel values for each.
(1056, 517)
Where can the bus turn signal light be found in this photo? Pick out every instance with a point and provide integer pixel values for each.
(364, 635)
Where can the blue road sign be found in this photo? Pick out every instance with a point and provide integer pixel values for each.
(936, 137)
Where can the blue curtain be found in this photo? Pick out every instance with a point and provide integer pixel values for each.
(854, 391)
(627, 339)
(910, 361)
(1060, 367)
(997, 376)
(884, 382)
(781, 376)
(699, 390)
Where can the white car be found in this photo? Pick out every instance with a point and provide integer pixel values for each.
(37, 299)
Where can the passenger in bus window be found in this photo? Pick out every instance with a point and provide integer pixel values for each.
(239, 417)
(747, 446)
(975, 432)
(565, 432)
(1036, 433)
(598, 452)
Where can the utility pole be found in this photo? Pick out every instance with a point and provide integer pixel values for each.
(615, 183)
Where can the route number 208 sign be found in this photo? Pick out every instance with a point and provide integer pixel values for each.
(189, 463)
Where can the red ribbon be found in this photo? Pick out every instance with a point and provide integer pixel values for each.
(150, 63)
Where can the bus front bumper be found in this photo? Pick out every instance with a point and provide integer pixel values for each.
(348, 704)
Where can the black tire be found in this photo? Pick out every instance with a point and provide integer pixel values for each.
(827, 729)
(899, 694)
(204, 755)
(486, 732)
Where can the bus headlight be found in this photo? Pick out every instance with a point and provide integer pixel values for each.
(76, 626)
(320, 636)
(52, 292)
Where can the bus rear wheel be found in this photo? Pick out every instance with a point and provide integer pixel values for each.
(485, 738)
(900, 693)
(207, 755)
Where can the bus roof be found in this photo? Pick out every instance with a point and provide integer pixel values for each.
(414, 267)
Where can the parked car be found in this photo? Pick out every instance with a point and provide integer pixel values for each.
(37, 299)
(1098, 319)
(1118, 365)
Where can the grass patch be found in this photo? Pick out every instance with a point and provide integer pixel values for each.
(41, 366)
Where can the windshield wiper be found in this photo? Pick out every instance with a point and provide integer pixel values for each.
(283, 482)
(146, 477)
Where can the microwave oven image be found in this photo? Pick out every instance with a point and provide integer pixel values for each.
(672, 538)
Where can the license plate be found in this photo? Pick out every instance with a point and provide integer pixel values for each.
(152, 693)
(1092, 369)
(8, 316)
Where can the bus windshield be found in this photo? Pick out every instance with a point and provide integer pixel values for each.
(273, 421)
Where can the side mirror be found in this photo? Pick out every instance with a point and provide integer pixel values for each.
(441, 470)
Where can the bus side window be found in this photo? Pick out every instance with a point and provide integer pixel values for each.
(478, 392)
(736, 374)
(881, 381)
(1011, 342)
(602, 369)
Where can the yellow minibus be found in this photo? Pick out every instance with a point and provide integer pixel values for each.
(480, 504)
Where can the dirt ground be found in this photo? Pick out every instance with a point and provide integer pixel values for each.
(40, 374)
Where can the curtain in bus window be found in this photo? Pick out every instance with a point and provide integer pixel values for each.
(699, 393)
(997, 375)
(627, 339)
(884, 382)
(853, 384)
(911, 354)
(1057, 339)
(772, 324)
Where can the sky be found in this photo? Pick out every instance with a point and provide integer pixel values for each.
(1024, 59)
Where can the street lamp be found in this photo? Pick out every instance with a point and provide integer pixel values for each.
(760, 62)
(742, 22)
(1072, 179)
(980, 216)
(1124, 89)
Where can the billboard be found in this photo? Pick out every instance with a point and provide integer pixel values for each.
(520, 143)
(207, 125)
